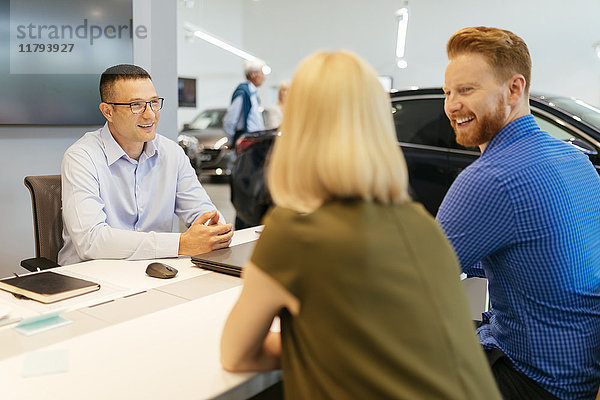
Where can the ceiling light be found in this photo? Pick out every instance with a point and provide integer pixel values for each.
(198, 33)
(402, 15)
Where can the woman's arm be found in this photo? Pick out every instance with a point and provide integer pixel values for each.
(247, 344)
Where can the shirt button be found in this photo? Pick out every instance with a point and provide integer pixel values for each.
(141, 208)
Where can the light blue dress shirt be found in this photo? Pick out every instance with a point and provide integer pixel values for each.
(115, 207)
(526, 215)
(233, 119)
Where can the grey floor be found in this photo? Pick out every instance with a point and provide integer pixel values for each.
(220, 195)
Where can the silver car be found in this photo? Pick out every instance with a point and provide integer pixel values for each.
(206, 144)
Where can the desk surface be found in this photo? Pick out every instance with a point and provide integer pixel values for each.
(161, 341)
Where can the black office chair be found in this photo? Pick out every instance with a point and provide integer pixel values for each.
(46, 204)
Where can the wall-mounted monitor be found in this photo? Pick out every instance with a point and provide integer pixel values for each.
(53, 53)
(187, 92)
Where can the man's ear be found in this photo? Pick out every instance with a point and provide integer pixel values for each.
(516, 88)
(107, 111)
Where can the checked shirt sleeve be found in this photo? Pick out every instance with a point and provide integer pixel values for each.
(477, 217)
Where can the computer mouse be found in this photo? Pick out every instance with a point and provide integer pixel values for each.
(160, 270)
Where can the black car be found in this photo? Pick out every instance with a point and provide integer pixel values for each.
(433, 156)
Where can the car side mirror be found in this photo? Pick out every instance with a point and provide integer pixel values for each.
(186, 127)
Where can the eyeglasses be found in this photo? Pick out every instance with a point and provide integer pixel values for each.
(139, 107)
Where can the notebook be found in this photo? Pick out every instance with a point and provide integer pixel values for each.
(47, 286)
(228, 261)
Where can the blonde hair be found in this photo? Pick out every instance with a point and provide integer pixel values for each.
(338, 139)
(506, 52)
(284, 86)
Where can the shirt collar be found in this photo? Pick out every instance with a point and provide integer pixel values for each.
(251, 87)
(150, 148)
(111, 148)
(114, 151)
(512, 131)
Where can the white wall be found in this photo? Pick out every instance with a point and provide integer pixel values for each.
(559, 35)
(284, 32)
(25, 151)
(216, 71)
(38, 150)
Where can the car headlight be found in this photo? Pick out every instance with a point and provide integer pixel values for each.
(189, 143)
(220, 143)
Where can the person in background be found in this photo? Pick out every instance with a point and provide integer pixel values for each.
(123, 184)
(365, 282)
(244, 114)
(249, 193)
(525, 215)
(275, 112)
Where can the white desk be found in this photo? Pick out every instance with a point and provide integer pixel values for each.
(160, 343)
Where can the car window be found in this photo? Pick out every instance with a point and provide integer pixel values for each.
(552, 128)
(578, 108)
(208, 119)
(421, 121)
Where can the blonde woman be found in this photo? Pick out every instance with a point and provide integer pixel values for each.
(365, 283)
(275, 112)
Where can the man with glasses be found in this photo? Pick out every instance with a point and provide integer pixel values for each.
(122, 184)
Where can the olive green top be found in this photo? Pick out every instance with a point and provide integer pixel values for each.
(383, 313)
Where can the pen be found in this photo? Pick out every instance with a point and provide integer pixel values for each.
(18, 276)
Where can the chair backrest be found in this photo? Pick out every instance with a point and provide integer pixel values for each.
(46, 204)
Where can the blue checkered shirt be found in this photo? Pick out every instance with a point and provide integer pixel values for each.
(526, 215)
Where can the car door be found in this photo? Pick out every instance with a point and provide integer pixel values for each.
(433, 157)
(559, 126)
(459, 156)
(424, 135)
